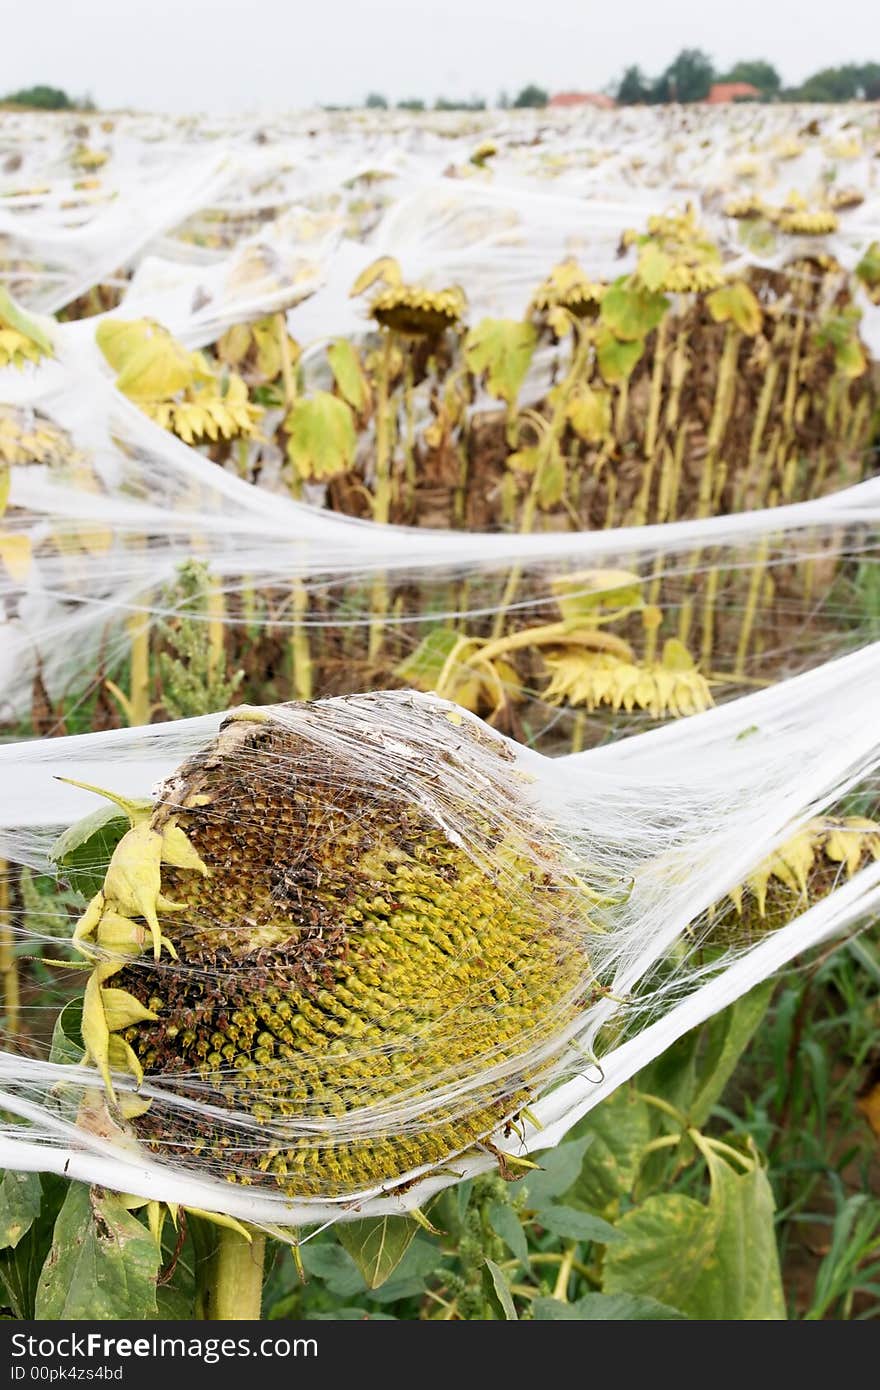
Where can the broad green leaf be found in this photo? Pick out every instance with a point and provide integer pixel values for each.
(669, 1249)
(693, 1072)
(619, 1129)
(327, 1261)
(23, 323)
(849, 358)
(67, 1044)
(423, 667)
(20, 1266)
(150, 365)
(321, 436)
(503, 349)
(717, 1261)
(559, 1169)
(729, 1034)
(653, 266)
(868, 268)
(585, 593)
(409, 1280)
(736, 304)
(21, 1197)
(631, 310)
(589, 414)
(348, 374)
(604, 1307)
(377, 1246)
(497, 1291)
(103, 1263)
(573, 1224)
(506, 1224)
(83, 852)
(617, 359)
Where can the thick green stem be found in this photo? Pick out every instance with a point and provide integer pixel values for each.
(234, 1287)
(8, 962)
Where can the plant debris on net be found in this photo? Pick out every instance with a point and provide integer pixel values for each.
(106, 512)
(343, 953)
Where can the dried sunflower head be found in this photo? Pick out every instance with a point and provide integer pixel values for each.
(746, 205)
(805, 868)
(567, 287)
(808, 223)
(417, 311)
(581, 676)
(376, 948)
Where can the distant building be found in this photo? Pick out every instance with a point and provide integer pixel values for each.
(721, 92)
(605, 103)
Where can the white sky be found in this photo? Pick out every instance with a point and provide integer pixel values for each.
(220, 56)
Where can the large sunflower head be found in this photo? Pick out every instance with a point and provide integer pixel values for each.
(367, 950)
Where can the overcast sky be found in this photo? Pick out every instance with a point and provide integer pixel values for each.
(216, 55)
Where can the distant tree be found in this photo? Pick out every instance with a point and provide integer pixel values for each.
(852, 82)
(759, 73)
(531, 96)
(376, 102)
(412, 104)
(43, 98)
(688, 77)
(459, 104)
(503, 101)
(634, 87)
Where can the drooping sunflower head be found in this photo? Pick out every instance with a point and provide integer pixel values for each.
(417, 311)
(371, 953)
(567, 287)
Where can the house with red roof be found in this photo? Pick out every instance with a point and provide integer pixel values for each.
(599, 99)
(722, 92)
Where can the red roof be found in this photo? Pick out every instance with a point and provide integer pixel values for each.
(583, 99)
(731, 91)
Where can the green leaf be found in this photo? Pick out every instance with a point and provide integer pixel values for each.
(377, 1246)
(82, 853)
(67, 1045)
(585, 593)
(409, 1279)
(631, 310)
(21, 1196)
(736, 304)
(603, 1307)
(868, 268)
(506, 1224)
(619, 1129)
(423, 667)
(20, 1267)
(559, 1169)
(573, 1224)
(589, 414)
(103, 1263)
(348, 374)
(23, 323)
(617, 359)
(503, 349)
(693, 1072)
(327, 1261)
(151, 366)
(497, 1292)
(653, 266)
(717, 1261)
(321, 436)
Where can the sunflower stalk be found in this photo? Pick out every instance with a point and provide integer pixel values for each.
(233, 1283)
(551, 435)
(8, 962)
